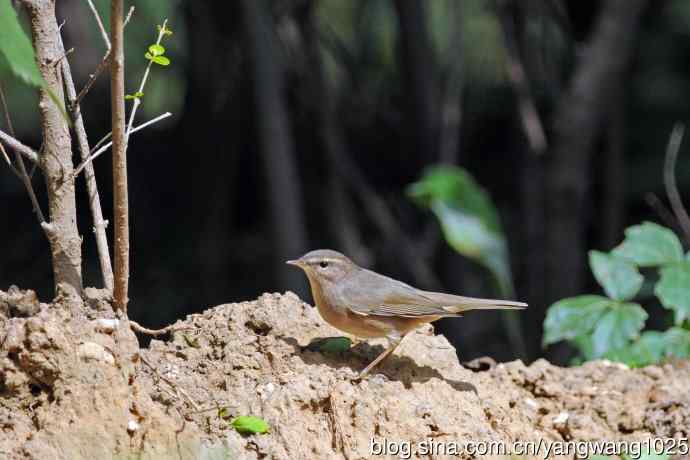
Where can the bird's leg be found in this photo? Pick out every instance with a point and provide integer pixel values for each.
(394, 342)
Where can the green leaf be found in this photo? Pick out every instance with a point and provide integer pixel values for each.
(15, 47)
(468, 219)
(650, 348)
(621, 323)
(161, 60)
(165, 30)
(673, 290)
(653, 347)
(650, 244)
(330, 344)
(156, 50)
(248, 424)
(619, 277)
(677, 342)
(136, 95)
(572, 317)
(584, 343)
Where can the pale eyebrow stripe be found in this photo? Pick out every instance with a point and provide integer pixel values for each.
(326, 259)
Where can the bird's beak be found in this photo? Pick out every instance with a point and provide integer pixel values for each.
(297, 263)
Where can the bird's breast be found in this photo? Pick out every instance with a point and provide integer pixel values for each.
(342, 318)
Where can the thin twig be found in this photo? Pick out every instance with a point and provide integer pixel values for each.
(101, 66)
(99, 69)
(6, 110)
(8, 121)
(25, 150)
(63, 57)
(99, 144)
(101, 27)
(137, 101)
(21, 168)
(136, 327)
(674, 142)
(105, 147)
(178, 389)
(8, 161)
(129, 16)
(664, 213)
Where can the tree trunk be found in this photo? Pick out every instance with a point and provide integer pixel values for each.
(417, 67)
(613, 177)
(577, 123)
(56, 158)
(275, 143)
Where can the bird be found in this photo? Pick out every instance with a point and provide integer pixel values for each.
(367, 304)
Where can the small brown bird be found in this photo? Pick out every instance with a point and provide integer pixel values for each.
(367, 305)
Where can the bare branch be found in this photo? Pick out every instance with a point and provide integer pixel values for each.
(674, 141)
(129, 16)
(664, 213)
(105, 147)
(90, 177)
(137, 101)
(104, 34)
(8, 120)
(13, 143)
(8, 161)
(63, 57)
(99, 69)
(101, 66)
(136, 327)
(20, 170)
(120, 192)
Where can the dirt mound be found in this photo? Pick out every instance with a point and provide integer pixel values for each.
(74, 384)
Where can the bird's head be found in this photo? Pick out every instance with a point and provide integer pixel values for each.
(325, 265)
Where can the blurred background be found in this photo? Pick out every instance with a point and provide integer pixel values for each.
(470, 146)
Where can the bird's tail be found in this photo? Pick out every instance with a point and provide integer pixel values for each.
(457, 304)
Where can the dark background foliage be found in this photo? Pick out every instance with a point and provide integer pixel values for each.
(299, 124)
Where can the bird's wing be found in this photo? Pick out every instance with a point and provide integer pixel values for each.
(368, 293)
(458, 303)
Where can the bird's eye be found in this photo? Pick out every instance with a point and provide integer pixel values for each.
(323, 264)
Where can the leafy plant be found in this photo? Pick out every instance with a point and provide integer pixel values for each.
(155, 54)
(610, 326)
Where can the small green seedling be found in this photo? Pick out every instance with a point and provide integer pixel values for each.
(244, 424)
(330, 345)
(248, 424)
